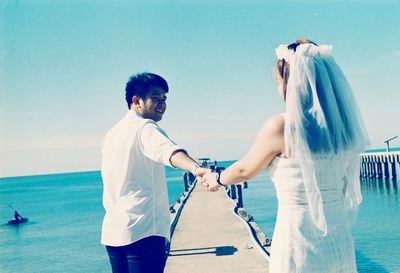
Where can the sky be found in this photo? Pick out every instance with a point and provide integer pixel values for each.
(64, 66)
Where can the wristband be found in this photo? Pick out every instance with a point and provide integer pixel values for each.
(218, 179)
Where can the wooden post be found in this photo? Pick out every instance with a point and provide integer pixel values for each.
(186, 182)
(364, 166)
(233, 192)
(392, 161)
(386, 165)
(192, 178)
(369, 166)
(379, 162)
(398, 160)
(240, 196)
(373, 169)
(361, 166)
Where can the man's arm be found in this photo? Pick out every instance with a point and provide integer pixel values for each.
(158, 147)
(180, 159)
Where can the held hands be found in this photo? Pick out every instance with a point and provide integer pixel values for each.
(209, 181)
(199, 172)
(207, 178)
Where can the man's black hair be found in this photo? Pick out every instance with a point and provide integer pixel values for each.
(140, 85)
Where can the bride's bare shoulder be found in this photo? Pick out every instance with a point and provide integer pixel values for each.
(275, 124)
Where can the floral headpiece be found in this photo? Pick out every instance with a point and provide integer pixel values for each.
(311, 50)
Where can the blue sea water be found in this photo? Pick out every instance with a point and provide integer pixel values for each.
(65, 214)
(396, 149)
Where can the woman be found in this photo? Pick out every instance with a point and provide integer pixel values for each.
(312, 155)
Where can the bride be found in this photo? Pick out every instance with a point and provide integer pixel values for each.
(312, 155)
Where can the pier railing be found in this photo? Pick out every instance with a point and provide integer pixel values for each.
(189, 181)
(235, 192)
(380, 165)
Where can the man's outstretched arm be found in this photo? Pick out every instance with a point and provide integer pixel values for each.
(180, 159)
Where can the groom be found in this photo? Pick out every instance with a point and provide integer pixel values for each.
(134, 155)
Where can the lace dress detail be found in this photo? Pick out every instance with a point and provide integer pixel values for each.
(298, 245)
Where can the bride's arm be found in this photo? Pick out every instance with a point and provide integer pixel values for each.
(269, 143)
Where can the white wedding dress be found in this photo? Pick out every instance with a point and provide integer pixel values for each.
(297, 244)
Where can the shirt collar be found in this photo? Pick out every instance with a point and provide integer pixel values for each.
(133, 113)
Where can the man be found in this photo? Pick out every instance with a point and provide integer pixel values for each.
(135, 152)
(17, 216)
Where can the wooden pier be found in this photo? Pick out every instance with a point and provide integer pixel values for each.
(380, 165)
(209, 237)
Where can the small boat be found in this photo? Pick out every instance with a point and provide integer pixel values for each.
(17, 222)
(204, 161)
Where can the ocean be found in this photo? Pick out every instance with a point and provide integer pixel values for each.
(65, 214)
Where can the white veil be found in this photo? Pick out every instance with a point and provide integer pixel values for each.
(322, 120)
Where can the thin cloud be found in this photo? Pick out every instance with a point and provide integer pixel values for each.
(213, 136)
(26, 114)
(53, 143)
(388, 55)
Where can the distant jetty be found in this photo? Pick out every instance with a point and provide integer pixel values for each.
(380, 165)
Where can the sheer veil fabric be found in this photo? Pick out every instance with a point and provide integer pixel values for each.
(322, 121)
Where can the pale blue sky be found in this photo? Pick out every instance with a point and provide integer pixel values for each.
(64, 65)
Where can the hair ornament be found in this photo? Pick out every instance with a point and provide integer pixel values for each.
(310, 50)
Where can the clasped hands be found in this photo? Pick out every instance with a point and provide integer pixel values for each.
(207, 179)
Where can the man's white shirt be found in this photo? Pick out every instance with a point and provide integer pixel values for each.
(135, 197)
